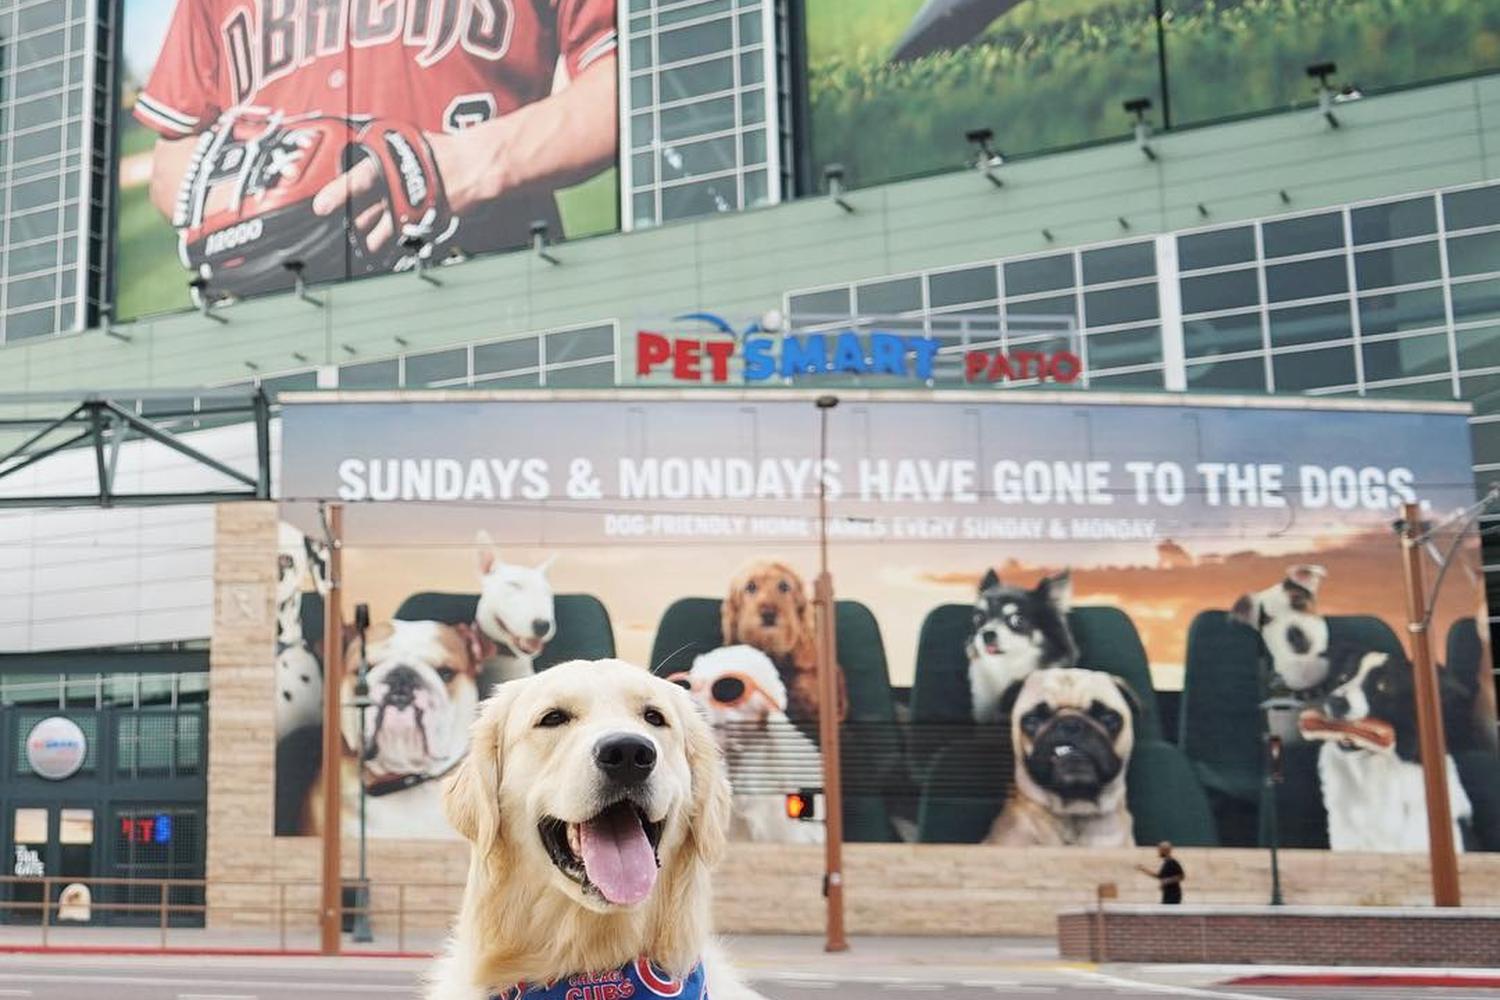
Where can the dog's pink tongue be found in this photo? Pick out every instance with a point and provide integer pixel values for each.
(617, 856)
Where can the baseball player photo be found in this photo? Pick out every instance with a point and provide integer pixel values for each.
(355, 136)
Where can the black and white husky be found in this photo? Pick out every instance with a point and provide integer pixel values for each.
(1369, 764)
(1015, 632)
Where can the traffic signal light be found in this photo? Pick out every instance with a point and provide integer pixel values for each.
(803, 804)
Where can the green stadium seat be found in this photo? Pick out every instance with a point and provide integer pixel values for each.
(871, 745)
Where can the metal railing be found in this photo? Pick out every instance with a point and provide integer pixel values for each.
(249, 916)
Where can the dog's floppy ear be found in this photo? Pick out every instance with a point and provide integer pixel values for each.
(1244, 611)
(991, 580)
(471, 796)
(1137, 708)
(487, 555)
(1058, 590)
(708, 820)
(1307, 576)
(729, 612)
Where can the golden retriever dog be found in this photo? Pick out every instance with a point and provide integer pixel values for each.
(596, 805)
(767, 607)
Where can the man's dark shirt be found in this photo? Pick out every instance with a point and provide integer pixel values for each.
(1170, 893)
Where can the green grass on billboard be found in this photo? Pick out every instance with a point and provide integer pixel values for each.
(150, 278)
(1053, 73)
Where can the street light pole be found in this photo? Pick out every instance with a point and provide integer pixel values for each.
(331, 896)
(828, 704)
(362, 934)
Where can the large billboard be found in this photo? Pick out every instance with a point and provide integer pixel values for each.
(894, 85)
(354, 137)
(1013, 563)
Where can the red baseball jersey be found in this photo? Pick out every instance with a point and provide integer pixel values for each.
(440, 64)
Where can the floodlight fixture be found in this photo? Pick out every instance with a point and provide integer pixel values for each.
(539, 242)
(418, 248)
(987, 158)
(299, 282)
(1138, 106)
(833, 177)
(1321, 71)
(199, 286)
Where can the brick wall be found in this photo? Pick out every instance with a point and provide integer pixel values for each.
(891, 888)
(1263, 934)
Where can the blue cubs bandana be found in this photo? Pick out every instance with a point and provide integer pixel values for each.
(638, 980)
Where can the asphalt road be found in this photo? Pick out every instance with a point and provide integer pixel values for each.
(84, 978)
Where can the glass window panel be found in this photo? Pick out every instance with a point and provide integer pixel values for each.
(692, 11)
(1120, 305)
(42, 142)
(752, 66)
(30, 291)
(1222, 335)
(693, 159)
(1405, 265)
(1386, 359)
(1212, 292)
(951, 288)
(757, 189)
(1306, 234)
(696, 80)
(76, 826)
(753, 145)
(1471, 208)
(1478, 254)
(1303, 370)
(32, 258)
(506, 355)
(1122, 348)
(1486, 446)
(576, 345)
(528, 381)
(716, 115)
(1306, 279)
(31, 323)
(296, 382)
(644, 206)
(33, 225)
(753, 106)
(1042, 274)
(1431, 389)
(438, 366)
(752, 29)
(1474, 300)
(643, 168)
(1021, 315)
(1215, 248)
(640, 51)
(1149, 379)
(683, 201)
(42, 111)
(1134, 260)
(883, 298)
(815, 306)
(641, 92)
(642, 131)
(1393, 220)
(48, 45)
(30, 826)
(695, 40)
(39, 79)
(582, 377)
(370, 375)
(37, 16)
(1483, 391)
(1241, 375)
(1310, 324)
(1396, 311)
(1478, 348)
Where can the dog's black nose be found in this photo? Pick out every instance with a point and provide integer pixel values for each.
(626, 760)
(1338, 706)
(540, 627)
(1298, 640)
(989, 635)
(768, 616)
(401, 686)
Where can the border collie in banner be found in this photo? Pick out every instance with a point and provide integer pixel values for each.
(1296, 637)
(515, 613)
(1015, 632)
(1369, 763)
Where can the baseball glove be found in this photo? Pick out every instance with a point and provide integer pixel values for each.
(245, 205)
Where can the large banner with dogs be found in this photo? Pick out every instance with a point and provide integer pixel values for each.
(1059, 622)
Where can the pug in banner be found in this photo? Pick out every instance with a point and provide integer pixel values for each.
(1072, 734)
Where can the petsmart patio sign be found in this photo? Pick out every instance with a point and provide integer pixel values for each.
(702, 346)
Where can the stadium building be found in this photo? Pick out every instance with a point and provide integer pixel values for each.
(896, 197)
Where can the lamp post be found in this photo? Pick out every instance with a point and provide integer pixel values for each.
(1279, 712)
(361, 702)
(828, 703)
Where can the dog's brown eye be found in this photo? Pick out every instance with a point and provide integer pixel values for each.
(553, 719)
(654, 717)
(750, 587)
(784, 587)
(446, 674)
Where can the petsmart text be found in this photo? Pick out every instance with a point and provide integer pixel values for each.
(694, 359)
(1007, 482)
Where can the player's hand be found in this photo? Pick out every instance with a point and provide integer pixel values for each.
(464, 161)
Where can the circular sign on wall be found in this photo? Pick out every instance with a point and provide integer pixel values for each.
(56, 748)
